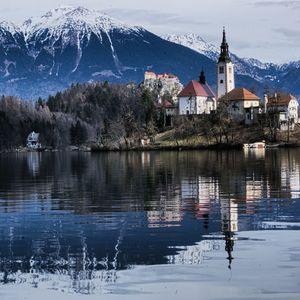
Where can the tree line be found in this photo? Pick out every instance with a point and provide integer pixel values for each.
(107, 115)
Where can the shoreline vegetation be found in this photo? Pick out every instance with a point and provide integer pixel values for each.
(152, 148)
(113, 117)
(155, 147)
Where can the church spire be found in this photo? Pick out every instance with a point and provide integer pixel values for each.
(225, 68)
(224, 42)
(224, 56)
(202, 78)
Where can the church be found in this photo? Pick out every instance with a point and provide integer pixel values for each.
(225, 70)
(197, 98)
(242, 105)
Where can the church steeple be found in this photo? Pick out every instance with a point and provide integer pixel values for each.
(225, 70)
(224, 56)
(202, 78)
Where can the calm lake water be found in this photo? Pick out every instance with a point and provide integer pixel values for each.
(152, 225)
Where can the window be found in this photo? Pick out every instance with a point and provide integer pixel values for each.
(221, 70)
(187, 112)
(230, 70)
(221, 81)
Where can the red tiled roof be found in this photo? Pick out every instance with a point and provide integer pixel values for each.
(280, 99)
(195, 88)
(240, 94)
(159, 76)
(165, 104)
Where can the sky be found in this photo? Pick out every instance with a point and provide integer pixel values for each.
(268, 30)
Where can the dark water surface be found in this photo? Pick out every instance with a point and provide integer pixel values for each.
(153, 225)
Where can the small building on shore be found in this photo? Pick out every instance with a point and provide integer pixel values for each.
(242, 105)
(197, 98)
(284, 108)
(33, 142)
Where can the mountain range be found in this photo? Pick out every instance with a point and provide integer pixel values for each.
(283, 77)
(73, 44)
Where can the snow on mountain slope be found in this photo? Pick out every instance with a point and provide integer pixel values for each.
(9, 27)
(68, 20)
(71, 29)
(10, 34)
(256, 63)
(243, 66)
(194, 42)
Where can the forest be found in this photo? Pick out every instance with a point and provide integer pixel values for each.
(107, 115)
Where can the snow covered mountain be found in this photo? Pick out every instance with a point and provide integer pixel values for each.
(195, 42)
(69, 45)
(73, 44)
(66, 32)
(243, 66)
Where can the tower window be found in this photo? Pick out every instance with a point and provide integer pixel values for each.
(230, 70)
(221, 81)
(221, 70)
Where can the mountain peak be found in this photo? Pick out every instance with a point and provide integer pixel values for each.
(66, 18)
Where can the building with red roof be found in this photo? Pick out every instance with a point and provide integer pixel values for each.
(197, 98)
(242, 105)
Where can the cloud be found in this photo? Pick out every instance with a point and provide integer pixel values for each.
(141, 16)
(288, 33)
(285, 3)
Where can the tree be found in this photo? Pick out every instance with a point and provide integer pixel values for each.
(148, 105)
(78, 134)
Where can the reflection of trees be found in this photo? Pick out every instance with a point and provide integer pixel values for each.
(143, 181)
(91, 183)
(98, 198)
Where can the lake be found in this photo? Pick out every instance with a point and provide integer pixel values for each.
(150, 225)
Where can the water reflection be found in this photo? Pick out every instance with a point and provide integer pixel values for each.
(33, 162)
(85, 217)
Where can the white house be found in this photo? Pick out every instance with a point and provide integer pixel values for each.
(197, 98)
(242, 105)
(285, 106)
(33, 141)
(225, 70)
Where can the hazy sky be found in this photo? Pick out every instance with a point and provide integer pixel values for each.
(265, 29)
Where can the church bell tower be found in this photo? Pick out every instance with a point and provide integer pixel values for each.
(225, 70)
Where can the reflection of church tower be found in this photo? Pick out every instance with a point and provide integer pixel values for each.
(225, 70)
(229, 219)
